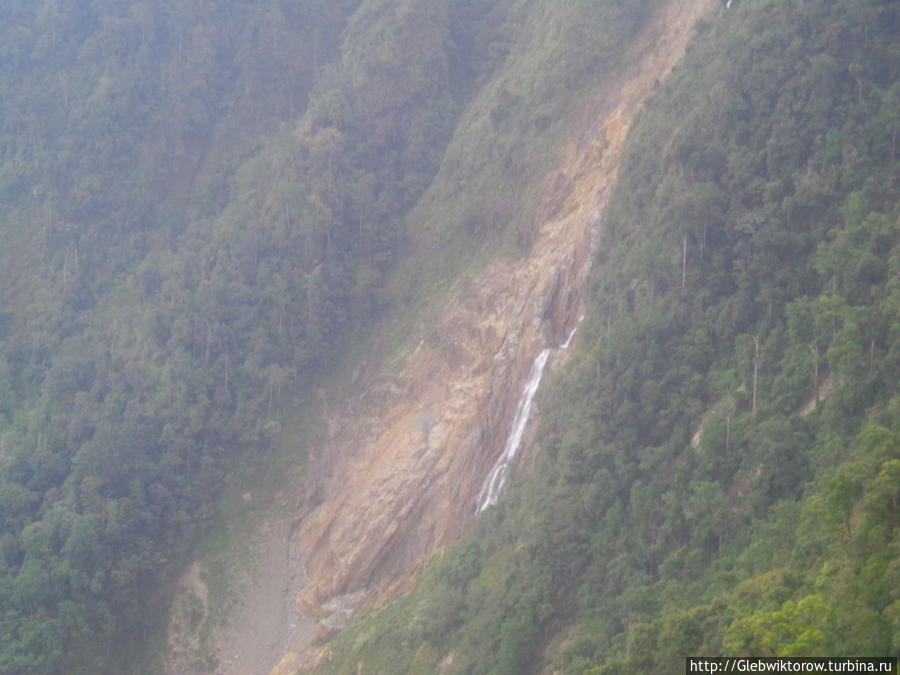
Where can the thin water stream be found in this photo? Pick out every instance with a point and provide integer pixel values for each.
(496, 480)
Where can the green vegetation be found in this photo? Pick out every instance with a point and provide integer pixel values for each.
(208, 206)
(720, 463)
(201, 204)
(539, 59)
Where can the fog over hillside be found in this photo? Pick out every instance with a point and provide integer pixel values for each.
(447, 336)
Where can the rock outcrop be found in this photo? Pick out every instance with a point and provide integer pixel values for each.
(406, 474)
(398, 480)
(398, 476)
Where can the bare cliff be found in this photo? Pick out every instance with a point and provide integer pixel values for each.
(398, 476)
(398, 479)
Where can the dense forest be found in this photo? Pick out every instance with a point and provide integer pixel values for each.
(719, 463)
(201, 202)
(205, 208)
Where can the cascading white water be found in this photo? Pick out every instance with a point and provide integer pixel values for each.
(493, 484)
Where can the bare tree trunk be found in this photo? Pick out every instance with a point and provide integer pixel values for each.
(683, 261)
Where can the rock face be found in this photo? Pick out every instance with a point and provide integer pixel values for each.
(399, 479)
(399, 474)
(407, 473)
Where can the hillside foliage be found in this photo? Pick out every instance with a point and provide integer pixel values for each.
(719, 464)
(207, 204)
(201, 203)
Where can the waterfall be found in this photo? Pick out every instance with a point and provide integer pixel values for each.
(493, 484)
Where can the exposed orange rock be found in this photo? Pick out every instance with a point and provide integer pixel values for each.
(402, 477)
(399, 479)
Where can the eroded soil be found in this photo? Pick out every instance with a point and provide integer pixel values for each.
(398, 476)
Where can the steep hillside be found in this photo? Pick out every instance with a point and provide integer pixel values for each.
(207, 208)
(716, 470)
(404, 475)
(273, 277)
(201, 203)
(408, 449)
(401, 478)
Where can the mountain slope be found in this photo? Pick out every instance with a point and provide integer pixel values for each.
(204, 206)
(199, 212)
(716, 470)
(464, 372)
(222, 220)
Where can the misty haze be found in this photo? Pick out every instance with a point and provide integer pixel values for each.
(448, 336)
